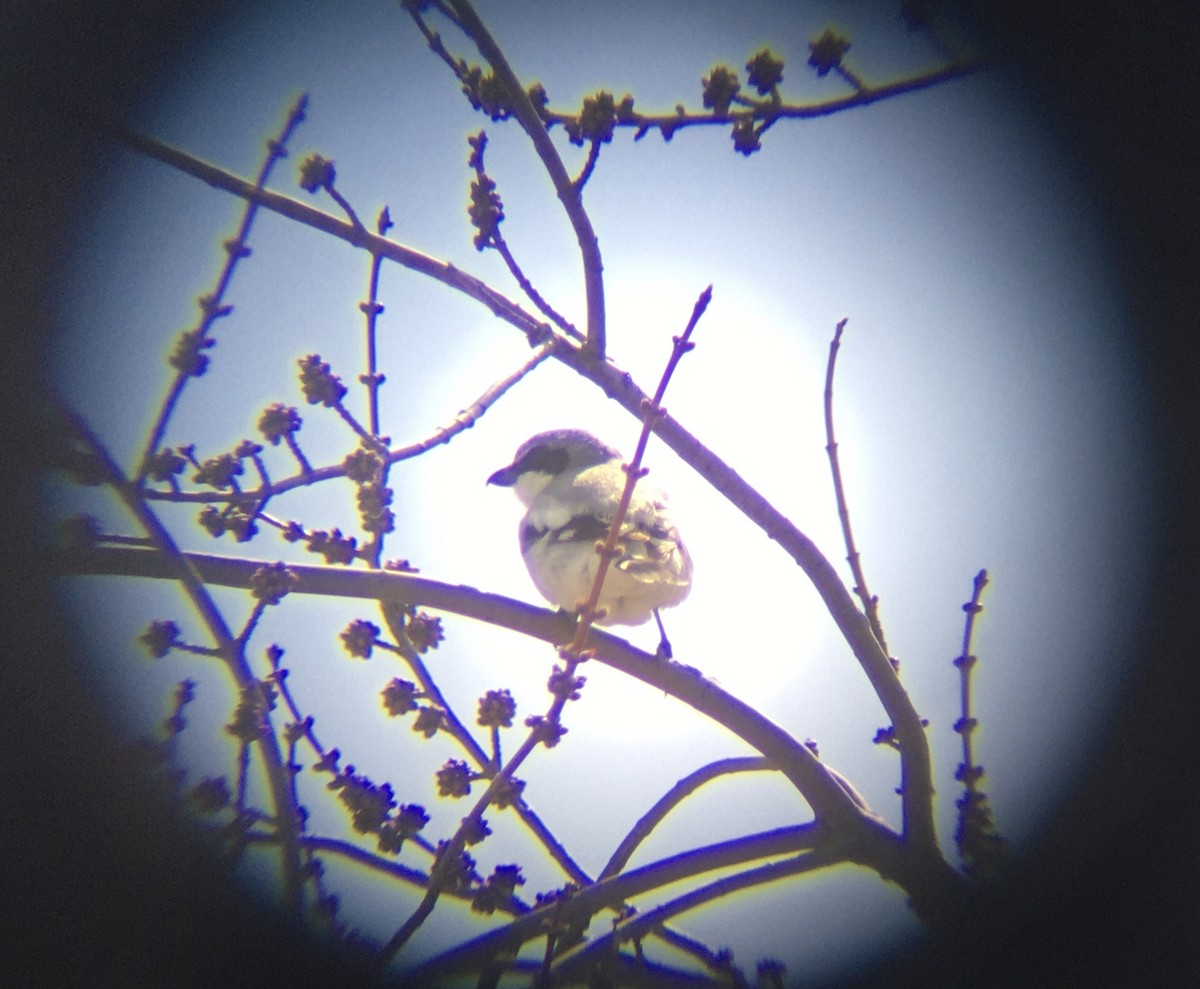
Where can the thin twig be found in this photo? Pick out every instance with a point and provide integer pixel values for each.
(471, 414)
(211, 306)
(557, 851)
(442, 434)
(672, 798)
(589, 166)
(531, 293)
(850, 76)
(344, 203)
(393, 616)
(966, 724)
(251, 623)
(496, 241)
(356, 854)
(360, 430)
(371, 308)
(633, 472)
(292, 444)
(980, 845)
(870, 603)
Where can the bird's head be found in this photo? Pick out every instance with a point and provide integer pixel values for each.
(542, 458)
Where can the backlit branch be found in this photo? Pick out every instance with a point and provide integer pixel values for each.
(870, 602)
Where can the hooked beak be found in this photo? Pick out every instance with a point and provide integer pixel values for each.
(505, 477)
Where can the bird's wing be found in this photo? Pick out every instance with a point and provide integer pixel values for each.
(581, 511)
(651, 550)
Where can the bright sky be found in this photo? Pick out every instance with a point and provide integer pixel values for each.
(987, 410)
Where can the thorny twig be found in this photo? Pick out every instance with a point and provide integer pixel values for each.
(633, 471)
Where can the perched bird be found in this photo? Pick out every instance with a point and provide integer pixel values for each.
(570, 484)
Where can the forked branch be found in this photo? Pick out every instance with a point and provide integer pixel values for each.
(567, 192)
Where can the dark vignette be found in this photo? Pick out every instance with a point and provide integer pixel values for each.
(111, 889)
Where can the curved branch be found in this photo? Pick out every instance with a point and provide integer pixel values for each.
(673, 798)
(820, 788)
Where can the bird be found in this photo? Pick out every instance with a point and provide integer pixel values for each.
(570, 484)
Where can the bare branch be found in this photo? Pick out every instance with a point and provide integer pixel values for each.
(672, 799)
(870, 603)
(465, 419)
(588, 166)
(371, 308)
